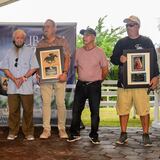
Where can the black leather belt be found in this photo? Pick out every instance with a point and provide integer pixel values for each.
(88, 82)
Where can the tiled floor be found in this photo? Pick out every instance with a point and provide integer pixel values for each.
(55, 148)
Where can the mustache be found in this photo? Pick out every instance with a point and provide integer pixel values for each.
(18, 46)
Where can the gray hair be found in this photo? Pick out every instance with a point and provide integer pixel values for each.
(50, 20)
(19, 31)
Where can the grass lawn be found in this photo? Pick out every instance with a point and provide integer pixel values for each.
(109, 117)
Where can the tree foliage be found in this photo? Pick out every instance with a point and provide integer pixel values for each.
(106, 39)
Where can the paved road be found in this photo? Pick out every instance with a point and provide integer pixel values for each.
(58, 149)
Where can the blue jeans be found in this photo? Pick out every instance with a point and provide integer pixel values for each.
(84, 91)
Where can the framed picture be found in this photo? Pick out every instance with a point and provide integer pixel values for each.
(137, 68)
(51, 61)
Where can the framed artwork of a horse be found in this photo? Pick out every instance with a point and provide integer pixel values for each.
(51, 61)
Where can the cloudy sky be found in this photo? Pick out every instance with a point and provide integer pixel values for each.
(86, 13)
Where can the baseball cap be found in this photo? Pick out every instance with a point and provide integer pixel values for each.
(88, 31)
(132, 19)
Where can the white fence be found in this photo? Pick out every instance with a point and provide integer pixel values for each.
(109, 94)
(109, 97)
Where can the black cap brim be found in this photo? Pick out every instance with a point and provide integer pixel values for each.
(82, 31)
(87, 31)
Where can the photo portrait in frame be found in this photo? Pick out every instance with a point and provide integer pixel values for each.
(137, 68)
(51, 61)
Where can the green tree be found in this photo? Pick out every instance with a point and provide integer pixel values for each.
(106, 39)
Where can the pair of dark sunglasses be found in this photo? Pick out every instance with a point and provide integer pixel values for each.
(16, 62)
(131, 25)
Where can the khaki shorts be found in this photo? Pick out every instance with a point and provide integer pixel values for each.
(126, 98)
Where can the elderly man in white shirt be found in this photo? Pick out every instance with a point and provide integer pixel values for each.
(19, 64)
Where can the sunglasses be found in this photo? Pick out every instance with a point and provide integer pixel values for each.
(131, 25)
(16, 62)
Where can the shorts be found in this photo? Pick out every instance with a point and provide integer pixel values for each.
(126, 98)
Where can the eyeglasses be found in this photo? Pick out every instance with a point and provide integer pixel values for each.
(131, 25)
(16, 62)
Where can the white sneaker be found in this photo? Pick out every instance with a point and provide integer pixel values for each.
(11, 137)
(30, 137)
(46, 134)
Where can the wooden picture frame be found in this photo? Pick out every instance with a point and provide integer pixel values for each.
(51, 61)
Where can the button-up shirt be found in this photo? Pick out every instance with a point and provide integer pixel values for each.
(19, 66)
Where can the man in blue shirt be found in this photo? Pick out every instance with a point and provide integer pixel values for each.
(19, 64)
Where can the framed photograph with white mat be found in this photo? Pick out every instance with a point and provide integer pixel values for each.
(51, 61)
(137, 68)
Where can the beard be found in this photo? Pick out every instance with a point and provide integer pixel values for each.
(18, 45)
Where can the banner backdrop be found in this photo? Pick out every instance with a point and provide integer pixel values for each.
(34, 34)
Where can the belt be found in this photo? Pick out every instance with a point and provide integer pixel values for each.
(88, 82)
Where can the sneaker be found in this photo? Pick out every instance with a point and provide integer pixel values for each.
(46, 134)
(11, 137)
(94, 140)
(30, 137)
(73, 138)
(123, 138)
(146, 140)
(63, 134)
